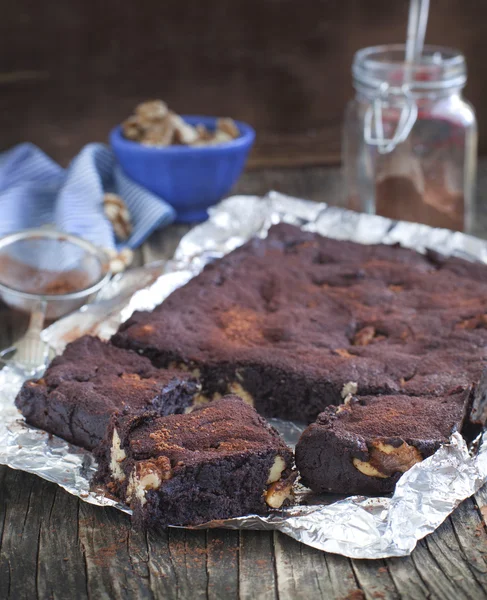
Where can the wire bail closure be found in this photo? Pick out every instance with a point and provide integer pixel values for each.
(374, 123)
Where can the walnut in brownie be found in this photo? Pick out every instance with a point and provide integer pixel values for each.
(90, 381)
(366, 444)
(288, 321)
(219, 461)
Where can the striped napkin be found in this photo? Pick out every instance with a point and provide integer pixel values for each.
(36, 191)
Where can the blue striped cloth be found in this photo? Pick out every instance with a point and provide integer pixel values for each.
(35, 191)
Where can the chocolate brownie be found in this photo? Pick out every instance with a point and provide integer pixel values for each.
(91, 380)
(291, 321)
(366, 444)
(219, 461)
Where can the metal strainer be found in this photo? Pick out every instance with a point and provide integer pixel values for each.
(47, 274)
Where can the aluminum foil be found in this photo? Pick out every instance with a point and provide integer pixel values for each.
(357, 527)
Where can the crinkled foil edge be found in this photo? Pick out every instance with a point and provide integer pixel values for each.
(357, 527)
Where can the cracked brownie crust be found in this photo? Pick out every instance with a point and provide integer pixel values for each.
(289, 320)
(91, 380)
(219, 461)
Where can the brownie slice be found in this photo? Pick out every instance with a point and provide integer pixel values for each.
(366, 444)
(219, 461)
(289, 321)
(90, 381)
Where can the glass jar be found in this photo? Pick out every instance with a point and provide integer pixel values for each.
(410, 139)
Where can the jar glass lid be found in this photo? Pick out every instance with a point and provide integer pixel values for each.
(387, 79)
(439, 69)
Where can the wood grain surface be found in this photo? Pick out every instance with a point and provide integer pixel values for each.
(70, 71)
(54, 546)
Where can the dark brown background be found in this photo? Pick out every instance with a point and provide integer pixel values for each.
(70, 70)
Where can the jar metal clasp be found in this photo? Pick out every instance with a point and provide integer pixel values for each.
(374, 118)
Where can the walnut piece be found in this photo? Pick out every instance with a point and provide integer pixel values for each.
(228, 127)
(153, 124)
(117, 213)
(160, 134)
(386, 459)
(236, 388)
(477, 322)
(119, 261)
(183, 133)
(132, 129)
(349, 389)
(153, 110)
(276, 470)
(279, 492)
(364, 336)
(147, 475)
(343, 352)
(117, 457)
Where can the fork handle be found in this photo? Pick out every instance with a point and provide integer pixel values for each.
(37, 318)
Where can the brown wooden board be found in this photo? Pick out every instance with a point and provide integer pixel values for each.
(71, 70)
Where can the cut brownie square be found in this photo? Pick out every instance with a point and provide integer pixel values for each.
(291, 321)
(90, 381)
(219, 461)
(366, 444)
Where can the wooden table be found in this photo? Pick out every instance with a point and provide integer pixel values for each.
(52, 545)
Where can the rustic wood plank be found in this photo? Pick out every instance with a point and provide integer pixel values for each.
(406, 578)
(480, 499)
(104, 534)
(61, 563)
(4, 564)
(188, 554)
(471, 536)
(25, 500)
(163, 579)
(303, 572)
(443, 568)
(342, 577)
(138, 553)
(375, 580)
(290, 570)
(222, 564)
(257, 575)
(448, 554)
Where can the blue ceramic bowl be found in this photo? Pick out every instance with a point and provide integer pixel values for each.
(190, 178)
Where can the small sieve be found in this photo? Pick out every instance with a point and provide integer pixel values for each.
(47, 274)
